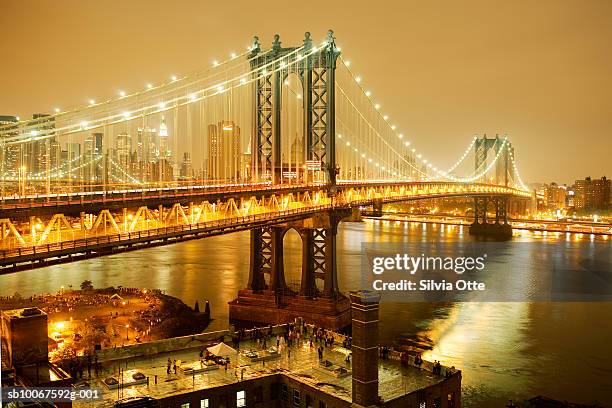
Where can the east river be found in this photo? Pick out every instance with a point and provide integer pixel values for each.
(506, 350)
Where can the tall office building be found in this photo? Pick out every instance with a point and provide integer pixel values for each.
(41, 156)
(163, 139)
(224, 154)
(246, 163)
(145, 153)
(186, 167)
(92, 157)
(592, 194)
(123, 150)
(163, 170)
(98, 138)
(10, 154)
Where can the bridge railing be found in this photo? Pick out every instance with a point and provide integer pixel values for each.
(127, 196)
(94, 197)
(201, 228)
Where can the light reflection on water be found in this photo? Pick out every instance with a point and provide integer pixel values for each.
(556, 349)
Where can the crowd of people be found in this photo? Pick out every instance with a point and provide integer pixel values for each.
(292, 335)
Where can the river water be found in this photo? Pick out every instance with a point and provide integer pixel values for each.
(506, 350)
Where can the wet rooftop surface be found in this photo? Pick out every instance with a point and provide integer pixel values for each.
(303, 365)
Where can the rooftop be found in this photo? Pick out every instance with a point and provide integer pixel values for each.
(303, 365)
(23, 312)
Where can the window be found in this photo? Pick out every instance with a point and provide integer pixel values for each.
(275, 390)
(423, 405)
(451, 400)
(437, 402)
(297, 398)
(185, 405)
(241, 399)
(204, 403)
(284, 393)
(322, 404)
(258, 395)
(308, 401)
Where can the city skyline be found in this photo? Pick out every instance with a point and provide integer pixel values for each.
(540, 83)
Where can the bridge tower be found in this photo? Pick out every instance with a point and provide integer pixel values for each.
(268, 299)
(485, 146)
(316, 69)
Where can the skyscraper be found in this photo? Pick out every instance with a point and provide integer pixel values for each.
(164, 169)
(163, 139)
(123, 150)
(186, 167)
(224, 155)
(10, 154)
(145, 153)
(92, 157)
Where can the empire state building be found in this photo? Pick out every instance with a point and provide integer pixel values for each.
(163, 139)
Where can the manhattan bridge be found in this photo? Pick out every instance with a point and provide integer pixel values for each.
(273, 139)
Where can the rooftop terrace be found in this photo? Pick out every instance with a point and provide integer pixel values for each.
(302, 365)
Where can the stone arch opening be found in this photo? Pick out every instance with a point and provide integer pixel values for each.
(293, 140)
(292, 260)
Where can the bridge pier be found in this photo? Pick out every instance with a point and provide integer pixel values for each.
(377, 208)
(499, 228)
(267, 298)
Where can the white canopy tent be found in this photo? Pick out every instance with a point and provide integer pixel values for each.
(222, 350)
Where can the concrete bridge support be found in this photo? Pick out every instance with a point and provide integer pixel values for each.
(377, 208)
(267, 298)
(495, 227)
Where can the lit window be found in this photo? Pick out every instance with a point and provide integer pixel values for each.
(185, 405)
(241, 399)
(296, 398)
(423, 405)
(204, 403)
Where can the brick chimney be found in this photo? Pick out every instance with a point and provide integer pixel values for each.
(364, 315)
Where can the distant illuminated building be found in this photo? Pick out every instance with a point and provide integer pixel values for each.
(98, 138)
(10, 154)
(91, 169)
(224, 155)
(145, 153)
(123, 149)
(555, 196)
(186, 167)
(246, 162)
(592, 194)
(163, 139)
(163, 170)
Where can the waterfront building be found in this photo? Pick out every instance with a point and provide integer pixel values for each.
(592, 194)
(297, 375)
(555, 196)
(25, 345)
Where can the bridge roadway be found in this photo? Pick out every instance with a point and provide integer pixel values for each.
(72, 204)
(73, 243)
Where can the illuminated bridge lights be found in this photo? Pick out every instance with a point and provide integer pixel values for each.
(60, 229)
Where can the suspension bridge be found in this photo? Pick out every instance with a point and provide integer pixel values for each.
(268, 140)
